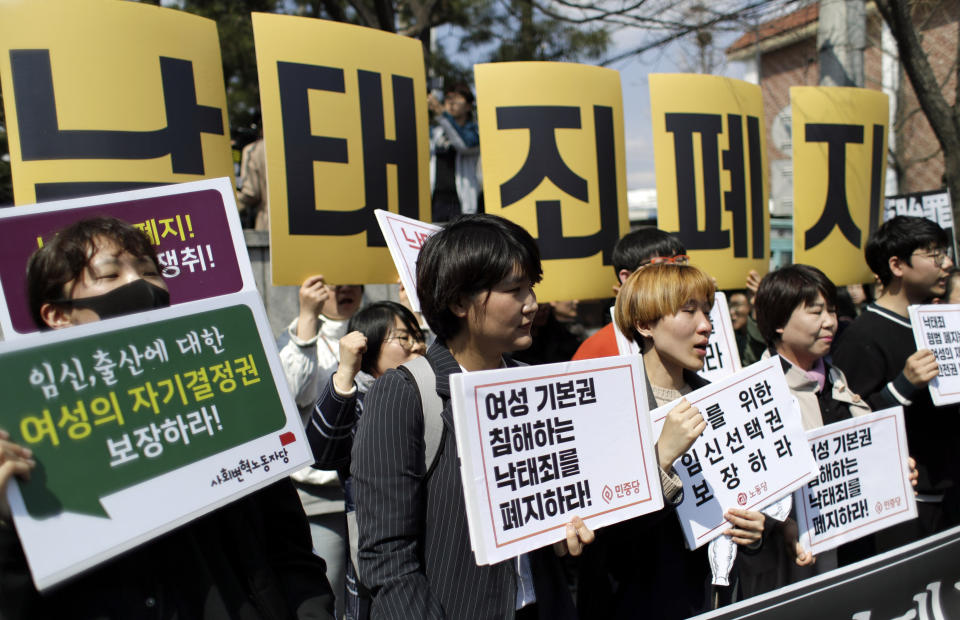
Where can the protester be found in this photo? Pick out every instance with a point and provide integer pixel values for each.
(750, 343)
(249, 559)
(879, 356)
(454, 155)
(665, 308)
(253, 197)
(796, 312)
(309, 353)
(380, 337)
(635, 249)
(475, 282)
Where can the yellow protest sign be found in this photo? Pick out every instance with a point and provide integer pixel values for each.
(345, 126)
(105, 96)
(839, 160)
(551, 140)
(710, 155)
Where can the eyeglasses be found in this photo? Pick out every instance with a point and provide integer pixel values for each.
(679, 259)
(406, 340)
(939, 256)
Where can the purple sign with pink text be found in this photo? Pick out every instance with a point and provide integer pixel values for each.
(193, 227)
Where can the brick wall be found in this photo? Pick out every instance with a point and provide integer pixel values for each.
(918, 152)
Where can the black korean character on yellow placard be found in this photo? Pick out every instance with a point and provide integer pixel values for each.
(345, 126)
(836, 209)
(151, 108)
(838, 177)
(734, 160)
(544, 162)
(551, 142)
(302, 149)
(711, 187)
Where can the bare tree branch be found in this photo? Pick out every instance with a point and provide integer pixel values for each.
(690, 28)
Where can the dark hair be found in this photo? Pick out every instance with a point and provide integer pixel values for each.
(470, 255)
(463, 90)
(642, 244)
(786, 289)
(900, 237)
(63, 258)
(376, 322)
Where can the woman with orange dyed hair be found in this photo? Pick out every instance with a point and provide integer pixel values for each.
(665, 308)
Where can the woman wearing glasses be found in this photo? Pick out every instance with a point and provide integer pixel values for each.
(379, 338)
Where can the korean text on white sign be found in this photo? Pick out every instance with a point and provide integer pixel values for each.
(541, 444)
(405, 237)
(752, 452)
(863, 483)
(937, 327)
(723, 357)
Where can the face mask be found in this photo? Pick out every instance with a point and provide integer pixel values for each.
(136, 296)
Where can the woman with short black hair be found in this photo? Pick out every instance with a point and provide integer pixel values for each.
(475, 281)
(796, 313)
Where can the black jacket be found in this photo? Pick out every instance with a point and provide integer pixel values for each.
(249, 560)
(415, 551)
(641, 568)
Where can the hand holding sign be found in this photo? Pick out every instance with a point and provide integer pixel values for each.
(313, 294)
(921, 367)
(579, 535)
(747, 525)
(681, 428)
(15, 460)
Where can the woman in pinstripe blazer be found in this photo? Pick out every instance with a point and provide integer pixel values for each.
(475, 281)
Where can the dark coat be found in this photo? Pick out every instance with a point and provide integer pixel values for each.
(415, 551)
(641, 568)
(249, 560)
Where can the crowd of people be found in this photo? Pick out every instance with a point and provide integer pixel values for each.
(377, 527)
(381, 514)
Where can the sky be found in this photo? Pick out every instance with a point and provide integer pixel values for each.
(636, 94)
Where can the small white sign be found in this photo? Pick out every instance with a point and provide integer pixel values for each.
(937, 327)
(405, 237)
(753, 451)
(541, 444)
(723, 358)
(863, 483)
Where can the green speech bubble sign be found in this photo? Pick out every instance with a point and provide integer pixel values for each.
(185, 388)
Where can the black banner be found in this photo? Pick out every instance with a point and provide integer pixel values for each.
(920, 580)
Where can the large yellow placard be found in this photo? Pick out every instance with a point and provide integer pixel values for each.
(710, 156)
(551, 140)
(105, 96)
(839, 161)
(345, 126)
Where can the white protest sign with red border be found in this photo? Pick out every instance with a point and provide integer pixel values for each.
(863, 484)
(753, 451)
(541, 444)
(405, 237)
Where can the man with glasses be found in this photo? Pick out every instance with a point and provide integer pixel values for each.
(880, 358)
(644, 246)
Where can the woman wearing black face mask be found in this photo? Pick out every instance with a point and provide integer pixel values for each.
(94, 269)
(251, 558)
